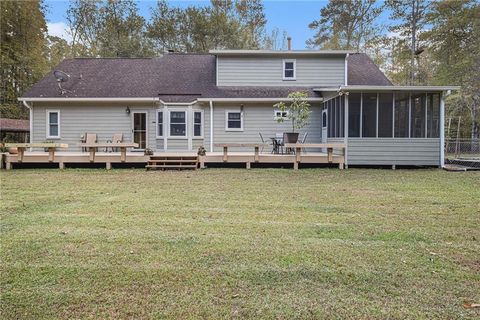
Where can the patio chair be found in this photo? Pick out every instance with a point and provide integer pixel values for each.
(89, 138)
(117, 137)
(280, 138)
(303, 141)
(263, 141)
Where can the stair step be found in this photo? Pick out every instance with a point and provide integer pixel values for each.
(174, 158)
(171, 161)
(171, 167)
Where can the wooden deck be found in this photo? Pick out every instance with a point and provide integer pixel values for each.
(109, 158)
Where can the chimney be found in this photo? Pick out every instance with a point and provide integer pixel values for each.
(289, 41)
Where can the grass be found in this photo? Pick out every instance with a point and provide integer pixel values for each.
(232, 243)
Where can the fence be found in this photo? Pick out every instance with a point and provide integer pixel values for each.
(462, 148)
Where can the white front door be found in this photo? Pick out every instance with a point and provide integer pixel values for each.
(324, 126)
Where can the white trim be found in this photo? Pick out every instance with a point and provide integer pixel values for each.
(386, 88)
(166, 122)
(376, 117)
(280, 52)
(426, 115)
(202, 124)
(409, 115)
(393, 114)
(90, 99)
(254, 99)
(361, 115)
(181, 104)
(294, 61)
(346, 69)
(162, 110)
(216, 71)
(189, 128)
(132, 121)
(227, 111)
(47, 134)
(442, 130)
(345, 138)
(30, 110)
(185, 110)
(211, 126)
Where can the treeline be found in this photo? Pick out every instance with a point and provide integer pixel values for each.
(422, 42)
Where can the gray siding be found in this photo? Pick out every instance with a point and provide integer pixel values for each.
(393, 151)
(259, 118)
(268, 71)
(100, 118)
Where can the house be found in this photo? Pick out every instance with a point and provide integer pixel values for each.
(179, 102)
(14, 130)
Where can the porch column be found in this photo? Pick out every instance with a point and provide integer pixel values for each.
(345, 129)
(442, 130)
(211, 126)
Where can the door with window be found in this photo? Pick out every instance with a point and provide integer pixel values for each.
(139, 129)
(324, 126)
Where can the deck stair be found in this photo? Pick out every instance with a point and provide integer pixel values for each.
(172, 162)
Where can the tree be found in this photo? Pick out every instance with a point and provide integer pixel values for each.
(346, 24)
(111, 28)
(412, 17)
(298, 109)
(228, 24)
(23, 51)
(454, 40)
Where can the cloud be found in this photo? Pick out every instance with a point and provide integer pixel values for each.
(59, 29)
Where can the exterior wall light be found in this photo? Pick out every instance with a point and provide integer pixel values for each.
(127, 110)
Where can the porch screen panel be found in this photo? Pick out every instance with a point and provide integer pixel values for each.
(433, 115)
(334, 117)
(330, 114)
(385, 115)
(354, 115)
(418, 120)
(369, 115)
(401, 115)
(340, 118)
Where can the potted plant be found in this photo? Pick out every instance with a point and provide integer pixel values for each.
(297, 110)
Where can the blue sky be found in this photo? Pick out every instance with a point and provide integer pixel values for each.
(289, 15)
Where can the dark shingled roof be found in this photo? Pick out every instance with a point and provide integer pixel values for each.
(19, 125)
(173, 78)
(363, 71)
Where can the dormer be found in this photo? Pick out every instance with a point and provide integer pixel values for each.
(289, 68)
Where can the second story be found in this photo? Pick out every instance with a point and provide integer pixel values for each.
(289, 68)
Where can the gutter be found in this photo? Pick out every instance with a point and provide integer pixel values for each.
(252, 99)
(30, 109)
(90, 99)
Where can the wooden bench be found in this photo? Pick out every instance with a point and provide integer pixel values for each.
(256, 147)
(52, 147)
(92, 148)
(329, 146)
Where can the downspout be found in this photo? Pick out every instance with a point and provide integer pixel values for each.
(211, 126)
(30, 109)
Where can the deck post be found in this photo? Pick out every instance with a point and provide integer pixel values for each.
(295, 165)
(298, 150)
(225, 157)
(51, 154)
(248, 164)
(21, 151)
(256, 153)
(442, 130)
(8, 165)
(61, 165)
(330, 155)
(123, 154)
(92, 154)
(108, 165)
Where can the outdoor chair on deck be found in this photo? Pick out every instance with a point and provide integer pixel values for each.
(89, 138)
(263, 143)
(117, 137)
(279, 141)
(303, 141)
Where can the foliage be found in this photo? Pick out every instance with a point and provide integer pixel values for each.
(225, 24)
(346, 24)
(298, 109)
(23, 48)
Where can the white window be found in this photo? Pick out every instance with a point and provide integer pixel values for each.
(198, 123)
(279, 114)
(53, 124)
(159, 123)
(289, 69)
(178, 124)
(233, 120)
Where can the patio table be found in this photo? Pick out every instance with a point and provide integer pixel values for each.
(92, 147)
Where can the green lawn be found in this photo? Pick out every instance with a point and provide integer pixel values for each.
(232, 243)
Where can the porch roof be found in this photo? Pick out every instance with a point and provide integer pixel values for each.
(386, 88)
